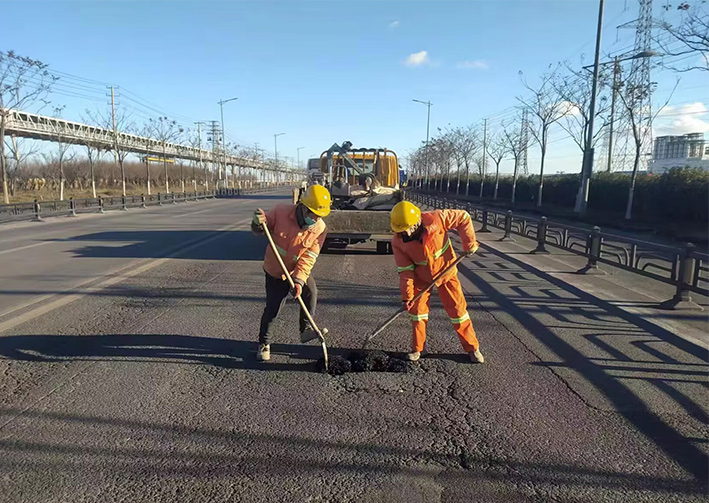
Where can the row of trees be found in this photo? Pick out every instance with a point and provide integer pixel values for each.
(560, 97)
(26, 84)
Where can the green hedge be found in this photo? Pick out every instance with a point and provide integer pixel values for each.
(681, 193)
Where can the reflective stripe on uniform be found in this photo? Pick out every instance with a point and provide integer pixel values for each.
(281, 250)
(418, 317)
(440, 252)
(458, 321)
(310, 254)
(466, 216)
(425, 262)
(407, 268)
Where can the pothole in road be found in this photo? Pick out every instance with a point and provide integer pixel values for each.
(365, 361)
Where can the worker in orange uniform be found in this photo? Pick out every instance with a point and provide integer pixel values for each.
(298, 232)
(422, 249)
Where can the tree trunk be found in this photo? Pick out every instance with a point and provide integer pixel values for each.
(61, 180)
(467, 178)
(631, 191)
(497, 178)
(93, 182)
(457, 187)
(541, 172)
(514, 181)
(164, 162)
(123, 174)
(3, 167)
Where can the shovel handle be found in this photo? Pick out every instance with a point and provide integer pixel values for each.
(290, 280)
(417, 297)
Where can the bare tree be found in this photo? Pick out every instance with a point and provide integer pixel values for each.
(575, 90)
(21, 150)
(165, 131)
(23, 82)
(123, 124)
(498, 148)
(94, 151)
(691, 34)
(632, 97)
(514, 140)
(546, 108)
(62, 154)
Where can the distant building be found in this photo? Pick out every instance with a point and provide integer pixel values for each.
(679, 151)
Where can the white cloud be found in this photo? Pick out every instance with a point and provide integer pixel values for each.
(393, 25)
(475, 64)
(691, 118)
(569, 108)
(417, 59)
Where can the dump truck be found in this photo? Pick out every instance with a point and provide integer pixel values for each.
(364, 185)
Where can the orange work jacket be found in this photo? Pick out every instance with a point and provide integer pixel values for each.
(299, 248)
(419, 261)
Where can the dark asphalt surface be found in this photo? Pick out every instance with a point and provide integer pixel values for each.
(128, 376)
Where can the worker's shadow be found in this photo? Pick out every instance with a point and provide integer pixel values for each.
(162, 348)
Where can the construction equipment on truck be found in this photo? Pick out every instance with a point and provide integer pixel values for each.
(365, 185)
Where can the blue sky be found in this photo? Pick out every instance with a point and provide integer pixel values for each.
(327, 71)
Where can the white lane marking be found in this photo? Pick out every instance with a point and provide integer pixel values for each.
(115, 278)
(25, 247)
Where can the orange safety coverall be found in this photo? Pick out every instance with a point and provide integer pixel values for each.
(299, 248)
(418, 261)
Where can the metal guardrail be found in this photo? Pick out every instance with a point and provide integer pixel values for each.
(37, 210)
(683, 267)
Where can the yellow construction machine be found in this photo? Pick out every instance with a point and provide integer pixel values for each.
(364, 184)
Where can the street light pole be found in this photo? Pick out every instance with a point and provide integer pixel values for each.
(221, 109)
(587, 169)
(428, 125)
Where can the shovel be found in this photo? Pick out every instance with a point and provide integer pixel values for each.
(403, 309)
(300, 298)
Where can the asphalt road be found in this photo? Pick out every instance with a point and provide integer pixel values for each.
(128, 373)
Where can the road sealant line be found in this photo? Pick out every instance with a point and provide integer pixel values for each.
(117, 276)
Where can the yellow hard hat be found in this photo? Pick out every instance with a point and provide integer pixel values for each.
(317, 199)
(404, 216)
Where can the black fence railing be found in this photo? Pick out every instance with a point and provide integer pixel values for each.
(37, 210)
(683, 267)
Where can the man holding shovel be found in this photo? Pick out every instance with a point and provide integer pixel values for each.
(423, 250)
(298, 232)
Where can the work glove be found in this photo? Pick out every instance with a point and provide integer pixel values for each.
(407, 304)
(297, 289)
(259, 219)
(473, 249)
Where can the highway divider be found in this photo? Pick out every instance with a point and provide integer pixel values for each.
(38, 210)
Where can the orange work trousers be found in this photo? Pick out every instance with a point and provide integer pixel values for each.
(451, 294)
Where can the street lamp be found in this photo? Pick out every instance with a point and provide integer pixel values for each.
(221, 109)
(428, 124)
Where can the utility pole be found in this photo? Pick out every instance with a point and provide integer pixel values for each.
(221, 109)
(115, 141)
(616, 85)
(587, 170)
(275, 149)
(201, 162)
(428, 126)
(214, 133)
(298, 155)
(482, 181)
